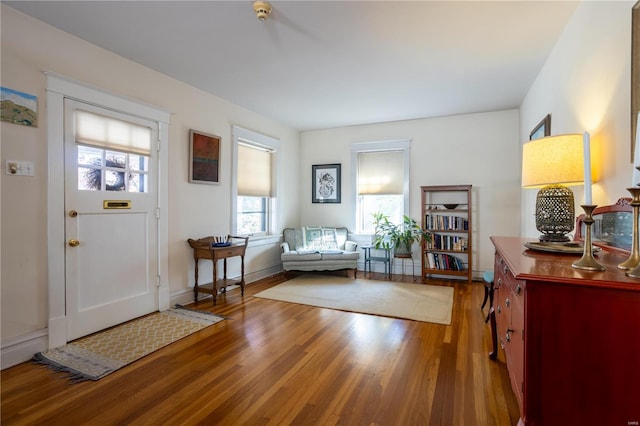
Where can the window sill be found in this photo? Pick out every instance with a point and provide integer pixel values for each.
(264, 240)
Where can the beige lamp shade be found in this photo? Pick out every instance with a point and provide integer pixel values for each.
(553, 160)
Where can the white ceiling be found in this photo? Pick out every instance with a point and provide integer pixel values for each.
(324, 64)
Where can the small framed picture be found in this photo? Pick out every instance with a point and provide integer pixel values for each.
(18, 107)
(325, 186)
(542, 130)
(204, 158)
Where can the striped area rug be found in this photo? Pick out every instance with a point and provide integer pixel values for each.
(97, 355)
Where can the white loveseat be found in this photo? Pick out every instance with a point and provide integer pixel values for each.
(318, 249)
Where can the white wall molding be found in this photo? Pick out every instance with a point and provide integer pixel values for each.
(22, 348)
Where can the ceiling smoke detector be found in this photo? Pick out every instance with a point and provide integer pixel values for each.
(262, 9)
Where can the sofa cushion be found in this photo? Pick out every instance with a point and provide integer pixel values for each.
(340, 255)
(300, 255)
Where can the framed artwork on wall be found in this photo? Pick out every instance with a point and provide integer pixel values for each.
(635, 73)
(542, 130)
(18, 107)
(325, 186)
(204, 158)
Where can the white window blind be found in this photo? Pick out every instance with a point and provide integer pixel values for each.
(254, 171)
(380, 173)
(110, 133)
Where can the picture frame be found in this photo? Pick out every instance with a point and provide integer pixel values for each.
(635, 75)
(18, 107)
(542, 129)
(204, 158)
(325, 183)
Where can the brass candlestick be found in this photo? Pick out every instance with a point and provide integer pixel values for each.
(587, 261)
(634, 257)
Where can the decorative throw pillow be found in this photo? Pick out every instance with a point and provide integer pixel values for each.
(329, 239)
(319, 238)
(312, 238)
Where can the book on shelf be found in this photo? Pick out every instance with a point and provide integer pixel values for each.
(446, 222)
(448, 242)
(445, 262)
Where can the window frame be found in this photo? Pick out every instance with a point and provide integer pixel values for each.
(403, 145)
(249, 137)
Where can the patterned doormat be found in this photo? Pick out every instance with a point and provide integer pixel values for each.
(95, 356)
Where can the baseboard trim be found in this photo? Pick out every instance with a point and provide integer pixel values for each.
(185, 296)
(22, 348)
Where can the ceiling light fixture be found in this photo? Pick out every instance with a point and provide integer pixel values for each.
(262, 9)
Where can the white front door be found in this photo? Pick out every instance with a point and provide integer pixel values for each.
(111, 224)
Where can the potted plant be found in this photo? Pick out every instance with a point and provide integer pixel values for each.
(400, 237)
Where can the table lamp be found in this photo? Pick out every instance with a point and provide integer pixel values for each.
(553, 163)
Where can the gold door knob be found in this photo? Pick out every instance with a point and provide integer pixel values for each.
(73, 213)
(74, 243)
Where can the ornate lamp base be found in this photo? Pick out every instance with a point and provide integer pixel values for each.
(587, 261)
(555, 215)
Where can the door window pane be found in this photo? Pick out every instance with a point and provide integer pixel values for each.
(89, 156)
(106, 170)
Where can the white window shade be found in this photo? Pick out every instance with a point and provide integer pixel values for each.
(105, 132)
(254, 171)
(380, 173)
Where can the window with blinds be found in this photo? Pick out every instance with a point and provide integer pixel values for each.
(381, 181)
(254, 183)
(380, 173)
(380, 186)
(254, 189)
(254, 171)
(113, 155)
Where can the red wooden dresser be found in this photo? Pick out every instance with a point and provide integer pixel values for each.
(571, 338)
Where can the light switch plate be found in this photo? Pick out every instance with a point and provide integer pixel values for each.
(19, 168)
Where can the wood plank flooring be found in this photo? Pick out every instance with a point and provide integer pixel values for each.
(277, 363)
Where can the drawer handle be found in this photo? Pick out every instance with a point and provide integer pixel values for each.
(518, 289)
(499, 309)
(507, 302)
(507, 337)
(505, 269)
(499, 283)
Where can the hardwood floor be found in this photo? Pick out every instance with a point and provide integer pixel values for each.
(281, 363)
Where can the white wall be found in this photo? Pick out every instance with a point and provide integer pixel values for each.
(585, 85)
(477, 149)
(28, 48)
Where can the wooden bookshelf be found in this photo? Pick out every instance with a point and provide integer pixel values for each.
(447, 218)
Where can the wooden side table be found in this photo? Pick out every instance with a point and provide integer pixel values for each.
(203, 248)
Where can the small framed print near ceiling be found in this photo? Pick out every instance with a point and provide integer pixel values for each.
(204, 158)
(542, 130)
(325, 187)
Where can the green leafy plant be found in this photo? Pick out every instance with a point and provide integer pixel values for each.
(400, 236)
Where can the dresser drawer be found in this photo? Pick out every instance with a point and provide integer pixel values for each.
(508, 300)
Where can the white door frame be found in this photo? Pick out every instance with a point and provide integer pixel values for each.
(59, 88)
